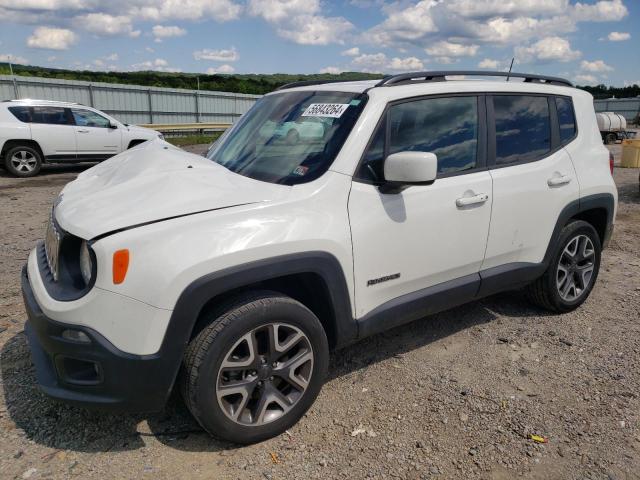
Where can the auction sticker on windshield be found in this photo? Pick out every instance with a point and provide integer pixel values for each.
(334, 110)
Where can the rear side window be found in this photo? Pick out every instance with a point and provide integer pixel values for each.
(566, 119)
(21, 113)
(50, 115)
(523, 128)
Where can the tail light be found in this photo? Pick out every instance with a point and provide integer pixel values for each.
(611, 162)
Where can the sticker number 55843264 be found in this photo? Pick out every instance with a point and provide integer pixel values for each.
(334, 110)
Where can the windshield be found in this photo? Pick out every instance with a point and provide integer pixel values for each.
(289, 138)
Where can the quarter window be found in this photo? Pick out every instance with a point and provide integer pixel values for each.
(566, 119)
(50, 115)
(87, 118)
(523, 128)
(21, 113)
(447, 127)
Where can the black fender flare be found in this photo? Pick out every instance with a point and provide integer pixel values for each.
(604, 201)
(199, 292)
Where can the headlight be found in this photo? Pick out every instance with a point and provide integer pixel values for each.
(86, 263)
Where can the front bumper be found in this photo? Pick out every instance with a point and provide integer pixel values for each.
(94, 374)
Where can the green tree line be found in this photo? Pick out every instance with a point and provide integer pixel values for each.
(250, 83)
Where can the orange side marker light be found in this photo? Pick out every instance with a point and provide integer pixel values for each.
(120, 265)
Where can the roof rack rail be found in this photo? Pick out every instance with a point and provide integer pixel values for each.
(440, 76)
(305, 83)
(42, 102)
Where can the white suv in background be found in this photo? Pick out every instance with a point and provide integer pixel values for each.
(33, 132)
(235, 274)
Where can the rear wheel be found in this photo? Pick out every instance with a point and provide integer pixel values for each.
(572, 272)
(256, 368)
(23, 161)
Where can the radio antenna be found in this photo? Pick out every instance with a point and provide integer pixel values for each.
(510, 67)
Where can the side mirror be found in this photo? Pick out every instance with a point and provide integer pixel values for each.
(403, 169)
(112, 125)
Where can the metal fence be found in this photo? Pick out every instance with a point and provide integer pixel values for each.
(132, 103)
(629, 108)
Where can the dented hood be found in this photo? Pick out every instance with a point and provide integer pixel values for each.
(153, 182)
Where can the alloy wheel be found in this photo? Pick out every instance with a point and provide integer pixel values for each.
(264, 374)
(575, 268)
(24, 161)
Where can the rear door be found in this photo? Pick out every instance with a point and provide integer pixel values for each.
(95, 137)
(533, 177)
(52, 127)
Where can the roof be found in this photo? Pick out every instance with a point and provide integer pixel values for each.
(33, 101)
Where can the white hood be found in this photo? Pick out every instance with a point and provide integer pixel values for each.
(153, 182)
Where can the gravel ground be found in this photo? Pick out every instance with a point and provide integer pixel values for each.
(456, 395)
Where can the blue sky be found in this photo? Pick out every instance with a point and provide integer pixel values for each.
(588, 41)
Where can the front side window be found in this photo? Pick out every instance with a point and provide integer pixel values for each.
(87, 118)
(290, 137)
(50, 115)
(566, 119)
(21, 113)
(447, 127)
(523, 128)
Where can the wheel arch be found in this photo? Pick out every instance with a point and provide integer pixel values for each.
(9, 144)
(597, 210)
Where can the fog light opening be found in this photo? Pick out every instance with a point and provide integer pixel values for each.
(75, 336)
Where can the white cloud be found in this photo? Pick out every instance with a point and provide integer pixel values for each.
(378, 62)
(489, 63)
(331, 70)
(8, 57)
(631, 83)
(618, 36)
(161, 31)
(315, 30)
(408, 63)
(549, 49)
(490, 8)
(112, 58)
(159, 64)
(585, 79)
(221, 69)
(351, 52)
(229, 55)
(595, 66)
(160, 10)
(51, 38)
(408, 25)
(103, 24)
(301, 21)
(602, 11)
(449, 49)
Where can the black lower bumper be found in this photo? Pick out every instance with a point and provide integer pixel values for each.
(94, 373)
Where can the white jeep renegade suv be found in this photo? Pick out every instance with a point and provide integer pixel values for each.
(234, 275)
(33, 132)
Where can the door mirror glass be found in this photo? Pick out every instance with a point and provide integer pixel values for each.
(406, 168)
(112, 125)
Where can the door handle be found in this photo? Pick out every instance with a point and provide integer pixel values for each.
(474, 200)
(82, 131)
(558, 181)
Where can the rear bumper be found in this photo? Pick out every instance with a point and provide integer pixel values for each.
(94, 373)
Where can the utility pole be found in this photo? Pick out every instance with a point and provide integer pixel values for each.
(13, 77)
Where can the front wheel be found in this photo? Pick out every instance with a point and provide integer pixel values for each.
(256, 368)
(572, 272)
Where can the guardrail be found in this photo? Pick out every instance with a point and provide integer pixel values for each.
(184, 127)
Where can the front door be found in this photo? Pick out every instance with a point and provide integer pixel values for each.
(95, 137)
(424, 235)
(52, 127)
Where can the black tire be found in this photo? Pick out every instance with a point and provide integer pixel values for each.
(205, 354)
(545, 292)
(29, 154)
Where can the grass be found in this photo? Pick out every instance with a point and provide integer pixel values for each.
(193, 139)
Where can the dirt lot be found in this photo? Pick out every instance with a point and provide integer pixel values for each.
(455, 395)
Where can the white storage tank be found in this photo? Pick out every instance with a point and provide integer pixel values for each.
(611, 122)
